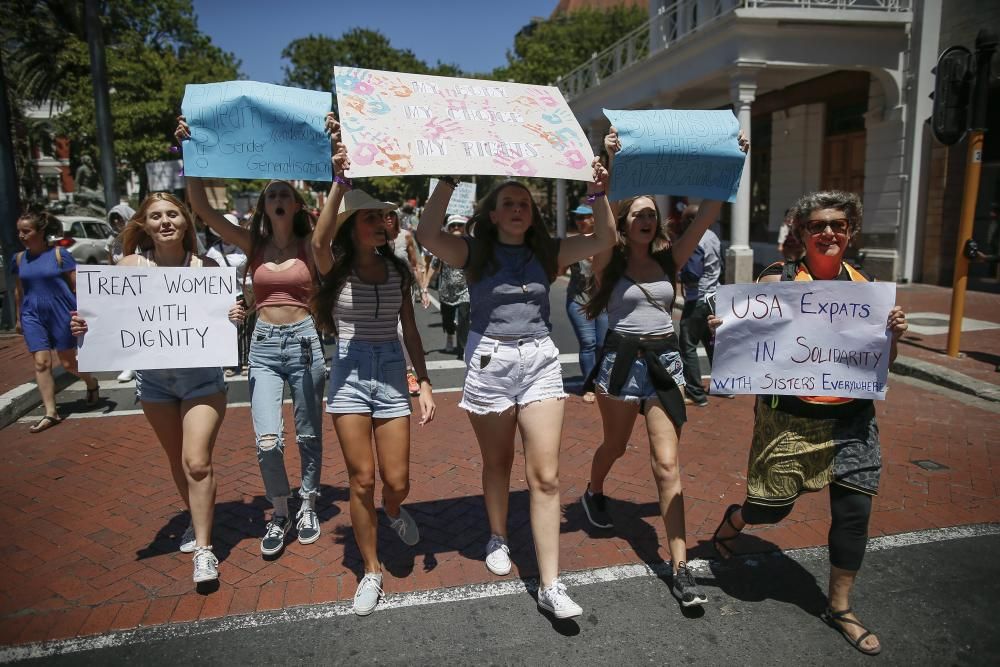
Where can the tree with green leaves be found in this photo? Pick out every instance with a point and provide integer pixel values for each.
(153, 49)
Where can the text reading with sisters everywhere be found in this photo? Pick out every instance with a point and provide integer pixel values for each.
(808, 338)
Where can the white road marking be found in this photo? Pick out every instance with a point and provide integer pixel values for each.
(446, 595)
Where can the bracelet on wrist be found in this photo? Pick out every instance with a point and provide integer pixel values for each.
(343, 180)
(450, 180)
(594, 196)
(424, 378)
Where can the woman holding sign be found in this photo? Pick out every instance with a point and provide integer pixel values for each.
(513, 379)
(640, 367)
(365, 293)
(284, 348)
(803, 443)
(184, 406)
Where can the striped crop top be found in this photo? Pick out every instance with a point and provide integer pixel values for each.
(369, 311)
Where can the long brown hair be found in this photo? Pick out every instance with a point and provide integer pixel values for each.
(324, 299)
(260, 224)
(43, 222)
(134, 237)
(483, 261)
(659, 248)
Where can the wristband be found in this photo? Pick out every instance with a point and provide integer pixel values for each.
(591, 198)
(450, 180)
(343, 181)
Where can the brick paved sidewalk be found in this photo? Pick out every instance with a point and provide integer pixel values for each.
(92, 517)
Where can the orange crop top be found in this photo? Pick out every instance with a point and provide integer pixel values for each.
(286, 287)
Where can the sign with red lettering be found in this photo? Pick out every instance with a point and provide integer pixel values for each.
(803, 338)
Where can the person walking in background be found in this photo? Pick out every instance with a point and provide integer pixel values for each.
(405, 248)
(185, 406)
(700, 280)
(453, 293)
(228, 254)
(513, 377)
(789, 245)
(589, 332)
(44, 298)
(805, 443)
(364, 295)
(285, 349)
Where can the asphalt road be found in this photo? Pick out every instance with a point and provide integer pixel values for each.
(932, 603)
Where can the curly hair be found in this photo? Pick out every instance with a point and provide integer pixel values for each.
(134, 237)
(324, 300)
(482, 259)
(848, 202)
(42, 221)
(659, 248)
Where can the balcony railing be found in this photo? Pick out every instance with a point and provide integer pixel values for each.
(677, 21)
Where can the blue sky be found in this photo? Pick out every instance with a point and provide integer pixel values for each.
(474, 35)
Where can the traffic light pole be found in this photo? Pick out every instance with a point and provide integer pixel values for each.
(973, 168)
(986, 45)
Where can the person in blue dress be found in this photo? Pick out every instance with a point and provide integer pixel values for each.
(45, 295)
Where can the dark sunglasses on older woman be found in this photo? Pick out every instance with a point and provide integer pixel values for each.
(839, 226)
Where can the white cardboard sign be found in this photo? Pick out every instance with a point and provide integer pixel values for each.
(397, 124)
(463, 199)
(803, 338)
(156, 317)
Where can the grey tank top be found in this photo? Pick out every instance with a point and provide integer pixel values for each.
(631, 308)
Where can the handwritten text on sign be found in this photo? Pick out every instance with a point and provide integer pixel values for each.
(810, 338)
(463, 199)
(156, 317)
(246, 129)
(666, 152)
(419, 124)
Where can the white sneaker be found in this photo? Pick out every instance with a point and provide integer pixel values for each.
(404, 526)
(188, 542)
(206, 565)
(126, 376)
(368, 594)
(554, 599)
(497, 556)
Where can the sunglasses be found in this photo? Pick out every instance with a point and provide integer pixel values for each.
(839, 226)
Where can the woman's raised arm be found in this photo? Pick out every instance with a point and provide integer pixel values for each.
(581, 246)
(326, 224)
(450, 249)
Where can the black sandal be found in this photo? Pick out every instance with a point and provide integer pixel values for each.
(93, 396)
(722, 541)
(835, 619)
(45, 423)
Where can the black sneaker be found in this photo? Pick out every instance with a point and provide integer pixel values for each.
(595, 506)
(685, 589)
(274, 535)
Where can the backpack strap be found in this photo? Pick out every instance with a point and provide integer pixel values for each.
(18, 257)
(59, 257)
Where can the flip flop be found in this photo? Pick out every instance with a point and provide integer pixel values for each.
(723, 541)
(45, 423)
(835, 619)
(93, 396)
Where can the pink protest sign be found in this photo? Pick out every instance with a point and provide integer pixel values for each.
(409, 124)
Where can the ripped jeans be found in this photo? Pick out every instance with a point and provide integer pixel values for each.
(278, 354)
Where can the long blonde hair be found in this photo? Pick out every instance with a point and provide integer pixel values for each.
(134, 237)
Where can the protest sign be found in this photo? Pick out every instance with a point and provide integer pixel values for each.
(667, 152)
(406, 124)
(165, 176)
(463, 199)
(808, 338)
(246, 129)
(142, 317)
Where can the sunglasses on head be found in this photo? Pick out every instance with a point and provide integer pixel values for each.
(839, 226)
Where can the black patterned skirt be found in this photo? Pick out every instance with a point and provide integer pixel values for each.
(791, 454)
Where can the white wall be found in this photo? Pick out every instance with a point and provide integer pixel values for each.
(885, 140)
(796, 157)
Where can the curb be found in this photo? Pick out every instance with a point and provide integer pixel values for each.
(24, 398)
(945, 377)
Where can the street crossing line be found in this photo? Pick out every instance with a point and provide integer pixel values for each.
(458, 594)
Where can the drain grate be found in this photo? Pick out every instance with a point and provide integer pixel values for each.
(928, 464)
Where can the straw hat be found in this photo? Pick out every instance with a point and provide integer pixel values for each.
(358, 200)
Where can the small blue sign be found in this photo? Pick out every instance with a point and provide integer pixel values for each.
(246, 129)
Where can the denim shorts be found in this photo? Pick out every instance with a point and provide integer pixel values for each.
(177, 384)
(368, 378)
(639, 386)
(502, 374)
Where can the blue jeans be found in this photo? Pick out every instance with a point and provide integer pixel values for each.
(278, 354)
(589, 333)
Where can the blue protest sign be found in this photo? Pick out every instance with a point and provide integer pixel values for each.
(667, 152)
(246, 129)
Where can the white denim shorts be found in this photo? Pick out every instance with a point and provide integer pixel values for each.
(501, 374)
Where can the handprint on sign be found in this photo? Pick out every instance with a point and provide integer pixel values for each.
(523, 168)
(398, 162)
(356, 103)
(364, 88)
(348, 125)
(574, 159)
(400, 89)
(434, 129)
(544, 97)
(364, 154)
(524, 100)
(378, 106)
(552, 139)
